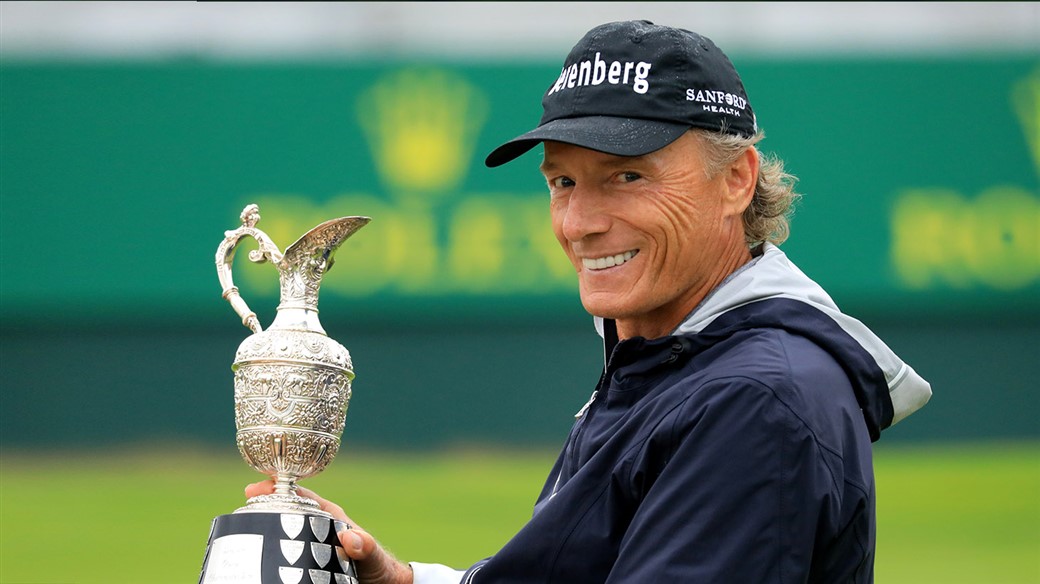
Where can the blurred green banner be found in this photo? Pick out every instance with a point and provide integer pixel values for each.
(118, 180)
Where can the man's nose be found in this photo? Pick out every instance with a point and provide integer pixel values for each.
(586, 214)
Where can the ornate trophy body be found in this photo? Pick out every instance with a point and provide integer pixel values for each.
(292, 388)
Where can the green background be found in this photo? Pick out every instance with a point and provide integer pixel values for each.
(920, 216)
(118, 179)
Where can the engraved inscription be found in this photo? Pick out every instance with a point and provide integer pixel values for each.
(234, 559)
(290, 575)
(292, 550)
(292, 525)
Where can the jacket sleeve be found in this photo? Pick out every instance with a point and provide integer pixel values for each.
(434, 574)
(734, 493)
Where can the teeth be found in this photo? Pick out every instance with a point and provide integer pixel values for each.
(608, 261)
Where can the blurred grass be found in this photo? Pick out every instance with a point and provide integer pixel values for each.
(946, 513)
(961, 513)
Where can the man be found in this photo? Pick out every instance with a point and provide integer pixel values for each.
(729, 437)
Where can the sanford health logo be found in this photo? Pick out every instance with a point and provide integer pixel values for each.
(430, 236)
(717, 101)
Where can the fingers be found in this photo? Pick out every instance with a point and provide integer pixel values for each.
(267, 488)
(374, 563)
(325, 505)
(260, 488)
(305, 492)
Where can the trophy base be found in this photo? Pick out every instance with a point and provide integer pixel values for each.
(282, 503)
(266, 547)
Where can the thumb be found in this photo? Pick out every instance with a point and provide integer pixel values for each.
(354, 543)
(359, 544)
(373, 562)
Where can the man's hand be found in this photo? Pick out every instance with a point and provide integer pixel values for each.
(374, 564)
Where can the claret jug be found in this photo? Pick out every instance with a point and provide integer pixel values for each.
(292, 381)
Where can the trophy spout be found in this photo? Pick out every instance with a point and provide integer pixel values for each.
(304, 264)
(301, 268)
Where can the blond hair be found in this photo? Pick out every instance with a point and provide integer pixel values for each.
(768, 217)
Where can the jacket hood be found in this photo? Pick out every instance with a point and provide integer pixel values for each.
(887, 388)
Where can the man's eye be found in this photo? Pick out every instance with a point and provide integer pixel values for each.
(562, 182)
(631, 176)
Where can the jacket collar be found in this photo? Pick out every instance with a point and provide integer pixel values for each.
(770, 274)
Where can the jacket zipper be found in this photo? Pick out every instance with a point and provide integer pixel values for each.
(585, 407)
(572, 439)
(582, 421)
(570, 451)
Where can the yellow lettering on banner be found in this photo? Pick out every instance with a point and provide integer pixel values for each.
(485, 244)
(476, 245)
(556, 271)
(500, 243)
(1004, 250)
(923, 224)
(397, 250)
(426, 238)
(419, 246)
(940, 238)
(375, 254)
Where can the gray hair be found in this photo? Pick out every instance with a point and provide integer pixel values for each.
(768, 216)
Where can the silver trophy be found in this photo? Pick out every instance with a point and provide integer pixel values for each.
(292, 388)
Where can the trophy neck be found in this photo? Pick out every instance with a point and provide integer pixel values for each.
(298, 308)
(297, 318)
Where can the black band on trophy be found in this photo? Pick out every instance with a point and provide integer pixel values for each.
(276, 548)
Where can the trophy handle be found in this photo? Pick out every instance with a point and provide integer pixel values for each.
(226, 255)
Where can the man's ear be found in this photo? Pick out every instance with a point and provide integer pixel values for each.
(741, 180)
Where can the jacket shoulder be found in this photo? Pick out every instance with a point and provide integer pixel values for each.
(807, 383)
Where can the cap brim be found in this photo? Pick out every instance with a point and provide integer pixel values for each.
(618, 136)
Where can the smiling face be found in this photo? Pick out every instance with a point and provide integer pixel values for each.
(649, 235)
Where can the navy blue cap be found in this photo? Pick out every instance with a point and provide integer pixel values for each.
(630, 88)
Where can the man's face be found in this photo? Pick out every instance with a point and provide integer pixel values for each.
(649, 236)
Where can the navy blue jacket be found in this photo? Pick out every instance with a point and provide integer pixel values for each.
(737, 450)
(741, 454)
